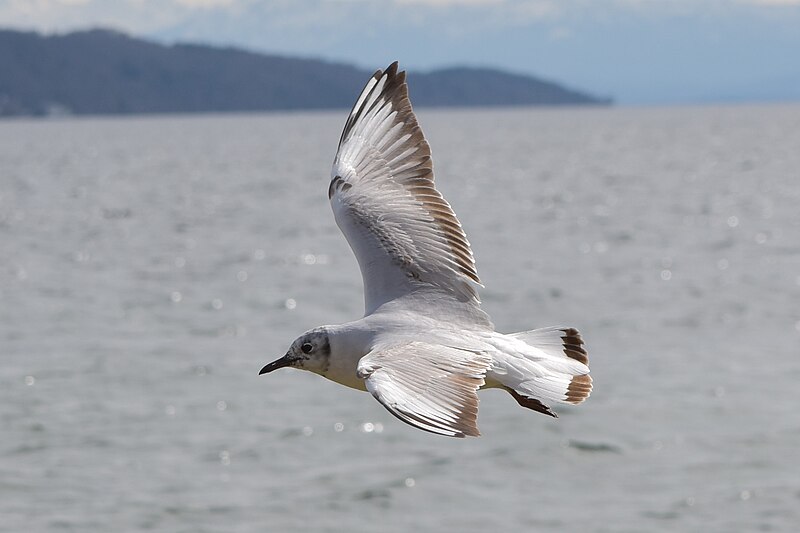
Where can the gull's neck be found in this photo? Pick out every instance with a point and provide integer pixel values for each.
(349, 342)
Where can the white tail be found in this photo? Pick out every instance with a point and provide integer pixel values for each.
(552, 366)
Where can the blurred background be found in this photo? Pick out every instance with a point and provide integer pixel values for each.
(629, 168)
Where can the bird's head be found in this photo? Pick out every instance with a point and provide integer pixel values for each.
(310, 351)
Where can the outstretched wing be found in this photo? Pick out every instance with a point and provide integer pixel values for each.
(403, 233)
(432, 387)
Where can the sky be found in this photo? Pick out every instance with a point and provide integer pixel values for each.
(639, 52)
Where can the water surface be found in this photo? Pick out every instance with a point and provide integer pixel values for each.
(151, 266)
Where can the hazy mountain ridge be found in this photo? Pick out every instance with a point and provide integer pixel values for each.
(107, 72)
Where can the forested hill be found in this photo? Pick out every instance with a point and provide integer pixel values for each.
(107, 72)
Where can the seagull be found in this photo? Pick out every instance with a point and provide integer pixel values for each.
(424, 346)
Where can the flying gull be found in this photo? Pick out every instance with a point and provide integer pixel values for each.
(424, 346)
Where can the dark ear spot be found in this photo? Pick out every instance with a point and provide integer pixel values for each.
(325, 347)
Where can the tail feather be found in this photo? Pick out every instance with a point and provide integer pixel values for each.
(555, 370)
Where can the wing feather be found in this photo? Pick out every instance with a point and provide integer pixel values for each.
(403, 232)
(432, 387)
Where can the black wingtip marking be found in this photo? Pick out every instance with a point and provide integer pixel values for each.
(531, 403)
(338, 184)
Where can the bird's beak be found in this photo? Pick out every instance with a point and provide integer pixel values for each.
(275, 365)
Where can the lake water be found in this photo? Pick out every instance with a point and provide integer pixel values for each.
(151, 266)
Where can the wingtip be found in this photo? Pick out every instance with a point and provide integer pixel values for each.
(459, 433)
(471, 433)
(388, 71)
(394, 74)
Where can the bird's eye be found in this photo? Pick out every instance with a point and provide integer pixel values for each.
(306, 347)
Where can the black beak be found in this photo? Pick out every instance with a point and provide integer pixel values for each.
(275, 365)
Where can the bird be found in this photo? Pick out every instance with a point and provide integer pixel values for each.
(424, 346)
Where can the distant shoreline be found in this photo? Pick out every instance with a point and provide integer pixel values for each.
(104, 72)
